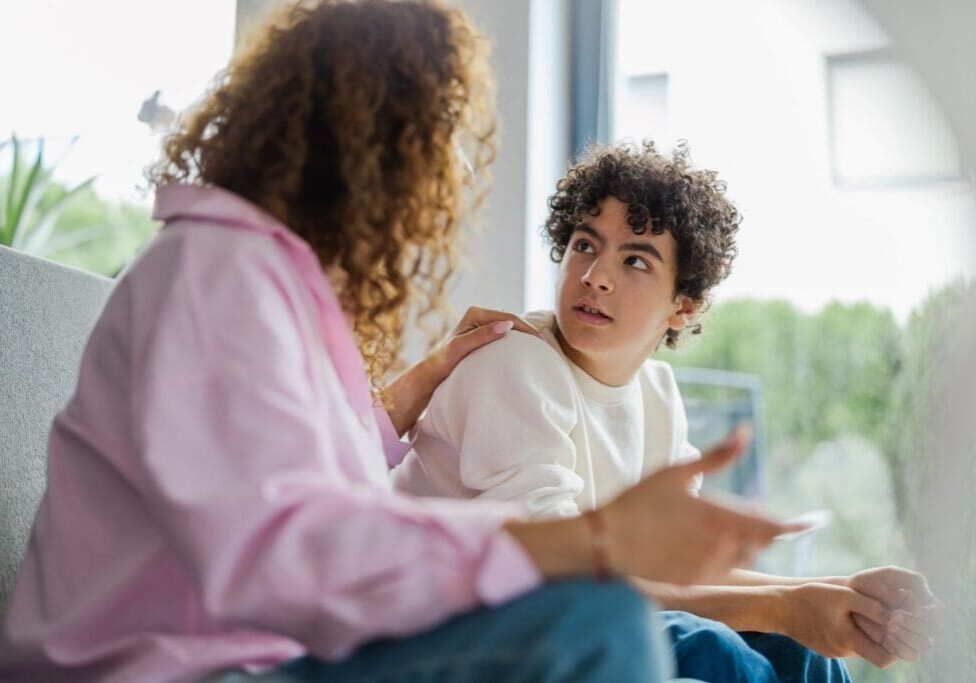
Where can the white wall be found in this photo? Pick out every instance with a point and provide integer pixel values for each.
(508, 267)
(494, 274)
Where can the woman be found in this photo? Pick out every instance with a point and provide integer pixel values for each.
(218, 497)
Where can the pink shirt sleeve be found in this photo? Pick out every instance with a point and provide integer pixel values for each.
(394, 449)
(249, 480)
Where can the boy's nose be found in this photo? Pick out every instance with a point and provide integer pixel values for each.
(597, 278)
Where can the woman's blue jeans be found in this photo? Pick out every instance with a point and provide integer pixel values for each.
(567, 631)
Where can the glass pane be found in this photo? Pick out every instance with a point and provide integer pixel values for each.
(841, 300)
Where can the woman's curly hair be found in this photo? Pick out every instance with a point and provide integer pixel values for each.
(345, 121)
(667, 193)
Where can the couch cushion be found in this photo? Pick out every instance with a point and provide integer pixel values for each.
(46, 313)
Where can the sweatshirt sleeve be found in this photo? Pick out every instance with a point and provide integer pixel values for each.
(507, 410)
(249, 483)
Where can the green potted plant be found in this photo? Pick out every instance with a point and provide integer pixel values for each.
(29, 209)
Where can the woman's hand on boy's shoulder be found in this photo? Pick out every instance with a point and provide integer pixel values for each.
(477, 327)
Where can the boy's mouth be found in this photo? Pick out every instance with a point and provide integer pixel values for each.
(591, 312)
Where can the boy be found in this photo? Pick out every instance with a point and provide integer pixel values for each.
(565, 423)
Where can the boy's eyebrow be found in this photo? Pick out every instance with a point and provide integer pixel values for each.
(643, 247)
(583, 227)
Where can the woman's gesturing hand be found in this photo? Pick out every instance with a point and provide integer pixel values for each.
(656, 530)
(659, 531)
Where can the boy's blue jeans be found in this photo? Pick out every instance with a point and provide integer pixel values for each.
(568, 631)
(711, 651)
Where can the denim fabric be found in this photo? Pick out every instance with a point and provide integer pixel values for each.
(568, 631)
(711, 651)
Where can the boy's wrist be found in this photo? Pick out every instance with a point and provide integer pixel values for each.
(787, 606)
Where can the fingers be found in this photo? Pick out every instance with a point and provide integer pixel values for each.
(463, 344)
(878, 586)
(717, 457)
(875, 631)
(899, 649)
(909, 642)
(905, 588)
(917, 586)
(913, 623)
(752, 532)
(868, 607)
(895, 637)
(870, 650)
(899, 642)
(479, 317)
(488, 331)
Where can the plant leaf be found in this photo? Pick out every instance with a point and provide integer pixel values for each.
(45, 225)
(75, 238)
(33, 188)
(7, 231)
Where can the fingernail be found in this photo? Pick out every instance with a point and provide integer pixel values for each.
(502, 327)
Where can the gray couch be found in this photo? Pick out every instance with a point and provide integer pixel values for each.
(46, 313)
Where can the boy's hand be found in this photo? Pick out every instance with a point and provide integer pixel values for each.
(658, 531)
(909, 630)
(824, 617)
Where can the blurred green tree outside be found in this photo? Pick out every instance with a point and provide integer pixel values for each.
(846, 392)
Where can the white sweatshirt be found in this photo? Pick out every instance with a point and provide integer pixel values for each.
(518, 421)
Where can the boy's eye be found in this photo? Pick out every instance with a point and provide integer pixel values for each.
(637, 262)
(583, 246)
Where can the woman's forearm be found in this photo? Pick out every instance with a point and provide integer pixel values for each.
(410, 393)
(560, 548)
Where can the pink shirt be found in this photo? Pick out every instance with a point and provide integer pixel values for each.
(218, 491)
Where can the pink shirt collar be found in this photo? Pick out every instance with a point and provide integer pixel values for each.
(185, 201)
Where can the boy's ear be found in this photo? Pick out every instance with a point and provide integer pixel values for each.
(685, 312)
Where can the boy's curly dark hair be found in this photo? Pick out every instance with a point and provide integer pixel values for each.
(668, 193)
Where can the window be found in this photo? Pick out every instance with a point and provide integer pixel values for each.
(82, 78)
(856, 244)
(643, 108)
(884, 127)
